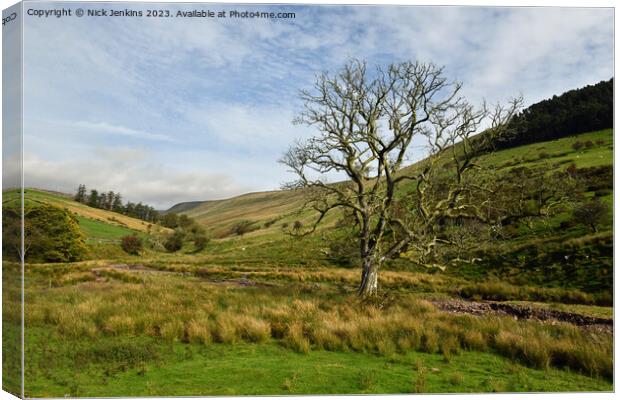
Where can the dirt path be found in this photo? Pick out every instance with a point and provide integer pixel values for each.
(524, 312)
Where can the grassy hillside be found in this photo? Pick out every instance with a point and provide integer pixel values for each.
(268, 210)
(552, 253)
(282, 206)
(100, 227)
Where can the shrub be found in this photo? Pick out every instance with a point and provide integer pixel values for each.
(543, 154)
(577, 145)
(131, 244)
(200, 242)
(174, 242)
(589, 144)
(592, 214)
(572, 169)
(603, 192)
(267, 224)
(242, 227)
(297, 226)
(52, 234)
(600, 142)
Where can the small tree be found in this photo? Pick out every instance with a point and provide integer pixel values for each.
(51, 234)
(170, 220)
(592, 214)
(132, 244)
(366, 123)
(200, 242)
(578, 145)
(174, 242)
(80, 195)
(117, 204)
(93, 198)
(242, 227)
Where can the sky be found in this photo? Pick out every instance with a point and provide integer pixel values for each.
(181, 109)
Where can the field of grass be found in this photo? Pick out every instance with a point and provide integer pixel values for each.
(100, 231)
(99, 330)
(265, 313)
(557, 153)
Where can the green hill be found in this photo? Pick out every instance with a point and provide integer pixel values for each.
(98, 226)
(265, 207)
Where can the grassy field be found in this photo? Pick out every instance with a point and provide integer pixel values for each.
(102, 330)
(265, 313)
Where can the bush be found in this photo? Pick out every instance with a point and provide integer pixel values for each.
(543, 154)
(603, 192)
(131, 244)
(592, 214)
(174, 242)
(344, 251)
(297, 227)
(589, 144)
(52, 234)
(242, 227)
(200, 242)
(577, 145)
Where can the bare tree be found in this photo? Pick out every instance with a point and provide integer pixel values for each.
(367, 121)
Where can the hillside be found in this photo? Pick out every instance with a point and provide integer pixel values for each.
(97, 225)
(268, 210)
(282, 206)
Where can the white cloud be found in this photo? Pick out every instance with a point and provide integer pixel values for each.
(214, 99)
(106, 128)
(247, 127)
(143, 180)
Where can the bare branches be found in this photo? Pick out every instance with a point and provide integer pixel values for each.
(366, 121)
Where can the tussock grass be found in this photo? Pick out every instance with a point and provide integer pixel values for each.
(75, 277)
(173, 308)
(502, 291)
(199, 331)
(120, 275)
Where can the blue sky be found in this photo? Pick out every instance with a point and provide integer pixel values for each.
(170, 110)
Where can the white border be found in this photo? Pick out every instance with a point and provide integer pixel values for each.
(496, 3)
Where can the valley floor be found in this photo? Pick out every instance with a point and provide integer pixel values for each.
(127, 328)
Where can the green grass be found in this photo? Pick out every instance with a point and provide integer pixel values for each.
(92, 333)
(588, 310)
(560, 152)
(269, 369)
(98, 230)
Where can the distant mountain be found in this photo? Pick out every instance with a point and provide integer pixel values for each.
(182, 207)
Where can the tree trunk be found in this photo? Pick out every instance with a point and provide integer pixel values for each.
(370, 274)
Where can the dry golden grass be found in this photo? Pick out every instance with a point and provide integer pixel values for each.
(175, 308)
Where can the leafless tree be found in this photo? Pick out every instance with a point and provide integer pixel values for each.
(366, 122)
